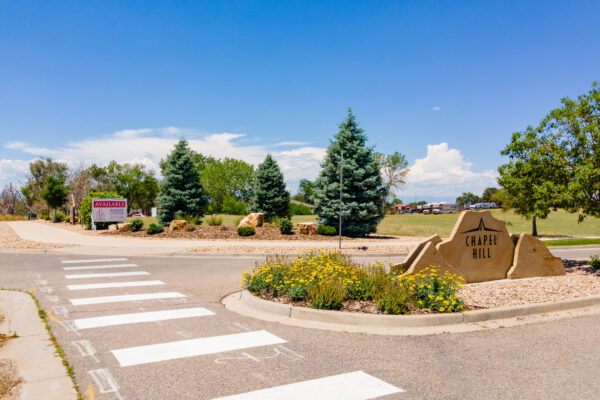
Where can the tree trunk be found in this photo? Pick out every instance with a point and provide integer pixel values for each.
(534, 227)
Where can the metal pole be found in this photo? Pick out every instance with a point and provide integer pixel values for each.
(341, 180)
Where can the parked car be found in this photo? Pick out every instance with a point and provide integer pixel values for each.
(138, 215)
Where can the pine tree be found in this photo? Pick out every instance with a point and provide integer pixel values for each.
(269, 196)
(363, 191)
(181, 191)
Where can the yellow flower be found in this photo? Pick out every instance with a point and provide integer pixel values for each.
(442, 309)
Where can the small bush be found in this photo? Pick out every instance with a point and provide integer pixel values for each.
(232, 206)
(595, 262)
(213, 220)
(59, 217)
(246, 231)
(286, 226)
(136, 225)
(154, 229)
(190, 228)
(190, 219)
(299, 209)
(328, 294)
(430, 290)
(393, 300)
(326, 230)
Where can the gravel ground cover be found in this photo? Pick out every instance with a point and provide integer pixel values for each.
(10, 240)
(581, 280)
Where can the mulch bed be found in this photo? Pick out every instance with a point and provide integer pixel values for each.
(230, 232)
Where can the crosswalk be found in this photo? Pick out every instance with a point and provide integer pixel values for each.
(352, 385)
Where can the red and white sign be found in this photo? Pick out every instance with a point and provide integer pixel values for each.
(109, 210)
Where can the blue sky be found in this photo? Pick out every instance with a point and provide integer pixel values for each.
(445, 82)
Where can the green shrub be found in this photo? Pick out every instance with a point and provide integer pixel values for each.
(213, 220)
(326, 230)
(328, 294)
(85, 210)
(430, 290)
(246, 231)
(233, 206)
(393, 300)
(299, 209)
(154, 229)
(595, 263)
(286, 226)
(136, 225)
(190, 228)
(59, 217)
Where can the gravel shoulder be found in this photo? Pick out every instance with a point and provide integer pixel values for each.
(10, 240)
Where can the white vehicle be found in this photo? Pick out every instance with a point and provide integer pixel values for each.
(482, 206)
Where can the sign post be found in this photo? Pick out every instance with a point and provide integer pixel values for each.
(108, 210)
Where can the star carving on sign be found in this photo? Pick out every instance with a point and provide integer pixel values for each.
(481, 227)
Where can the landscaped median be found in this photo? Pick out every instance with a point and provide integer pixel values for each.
(305, 291)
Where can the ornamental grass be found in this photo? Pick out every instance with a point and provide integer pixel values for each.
(326, 279)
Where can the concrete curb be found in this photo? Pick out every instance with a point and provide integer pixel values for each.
(40, 368)
(247, 304)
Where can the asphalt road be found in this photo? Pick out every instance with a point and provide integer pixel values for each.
(550, 360)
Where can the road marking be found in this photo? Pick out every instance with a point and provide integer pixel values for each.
(134, 318)
(89, 393)
(107, 275)
(41, 282)
(125, 297)
(99, 267)
(52, 317)
(46, 289)
(93, 260)
(53, 298)
(194, 347)
(61, 310)
(356, 385)
(109, 285)
(85, 349)
(105, 382)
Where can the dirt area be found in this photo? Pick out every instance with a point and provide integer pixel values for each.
(10, 240)
(68, 227)
(9, 377)
(581, 280)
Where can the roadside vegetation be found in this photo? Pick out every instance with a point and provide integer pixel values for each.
(331, 281)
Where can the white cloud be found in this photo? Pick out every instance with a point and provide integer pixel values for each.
(282, 144)
(149, 146)
(444, 172)
(13, 171)
(436, 108)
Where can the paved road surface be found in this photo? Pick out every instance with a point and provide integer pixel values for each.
(196, 349)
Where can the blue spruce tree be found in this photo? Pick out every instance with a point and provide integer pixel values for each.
(363, 189)
(269, 194)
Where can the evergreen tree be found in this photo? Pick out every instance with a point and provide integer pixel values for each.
(363, 191)
(55, 194)
(270, 196)
(181, 191)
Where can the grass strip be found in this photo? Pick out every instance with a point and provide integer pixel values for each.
(572, 242)
(59, 349)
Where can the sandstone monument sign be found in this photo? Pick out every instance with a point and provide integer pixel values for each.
(481, 249)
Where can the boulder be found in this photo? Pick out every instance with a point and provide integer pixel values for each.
(307, 228)
(479, 247)
(124, 227)
(112, 227)
(430, 257)
(532, 258)
(435, 239)
(177, 225)
(254, 220)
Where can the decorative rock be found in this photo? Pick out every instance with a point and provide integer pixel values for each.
(532, 258)
(307, 228)
(112, 227)
(124, 227)
(430, 257)
(177, 225)
(414, 253)
(479, 247)
(254, 220)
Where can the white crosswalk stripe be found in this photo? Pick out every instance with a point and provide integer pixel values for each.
(126, 297)
(110, 285)
(134, 318)
(99, 267)
(356, 385)
(194, 347)
(93, 260)
(107, 275)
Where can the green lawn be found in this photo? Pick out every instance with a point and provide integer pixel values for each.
(571, 242)
(559, 223)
